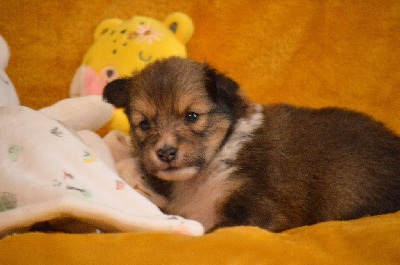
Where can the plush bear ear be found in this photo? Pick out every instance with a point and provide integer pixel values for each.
(105, 26)
(181, 25)
(117, 92)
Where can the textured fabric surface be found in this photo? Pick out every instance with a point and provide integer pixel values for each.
(374, 240)
(312, 53)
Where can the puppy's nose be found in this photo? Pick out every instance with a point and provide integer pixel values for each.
(167, 154)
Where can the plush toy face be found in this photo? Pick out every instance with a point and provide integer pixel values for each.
(124, 47)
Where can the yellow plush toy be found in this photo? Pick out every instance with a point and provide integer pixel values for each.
(121, 48)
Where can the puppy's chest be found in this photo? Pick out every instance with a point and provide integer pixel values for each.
(201, 199)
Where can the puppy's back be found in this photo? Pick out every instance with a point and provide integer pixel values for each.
(318, 165)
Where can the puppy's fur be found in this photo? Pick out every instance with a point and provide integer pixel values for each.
(222, 160)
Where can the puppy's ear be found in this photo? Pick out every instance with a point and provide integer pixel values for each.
(225, 92)
(117, 92)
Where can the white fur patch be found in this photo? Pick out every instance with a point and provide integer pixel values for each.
(198, 198)
(243, 133)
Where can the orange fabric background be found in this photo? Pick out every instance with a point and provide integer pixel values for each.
(312, 53)
(374, 240)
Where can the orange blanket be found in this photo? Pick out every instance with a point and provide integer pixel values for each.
(313, 53)
(374, 240)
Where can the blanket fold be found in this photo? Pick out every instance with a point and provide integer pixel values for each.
(47, 173)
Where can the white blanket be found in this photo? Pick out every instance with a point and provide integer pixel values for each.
(48, 173)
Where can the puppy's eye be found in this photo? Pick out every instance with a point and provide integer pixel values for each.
(144, 125)
(191, 117)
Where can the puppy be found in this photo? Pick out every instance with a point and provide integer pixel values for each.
(222, 160)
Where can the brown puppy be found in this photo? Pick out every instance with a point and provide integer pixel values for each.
(222, 160)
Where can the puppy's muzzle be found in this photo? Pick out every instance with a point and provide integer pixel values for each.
(167, 154)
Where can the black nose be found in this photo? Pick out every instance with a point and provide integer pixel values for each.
(167, 154)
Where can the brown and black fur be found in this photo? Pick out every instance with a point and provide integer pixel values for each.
(276, 167)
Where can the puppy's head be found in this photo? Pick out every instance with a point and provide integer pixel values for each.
(180, 112)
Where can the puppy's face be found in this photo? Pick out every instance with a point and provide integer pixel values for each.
(180, 112)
